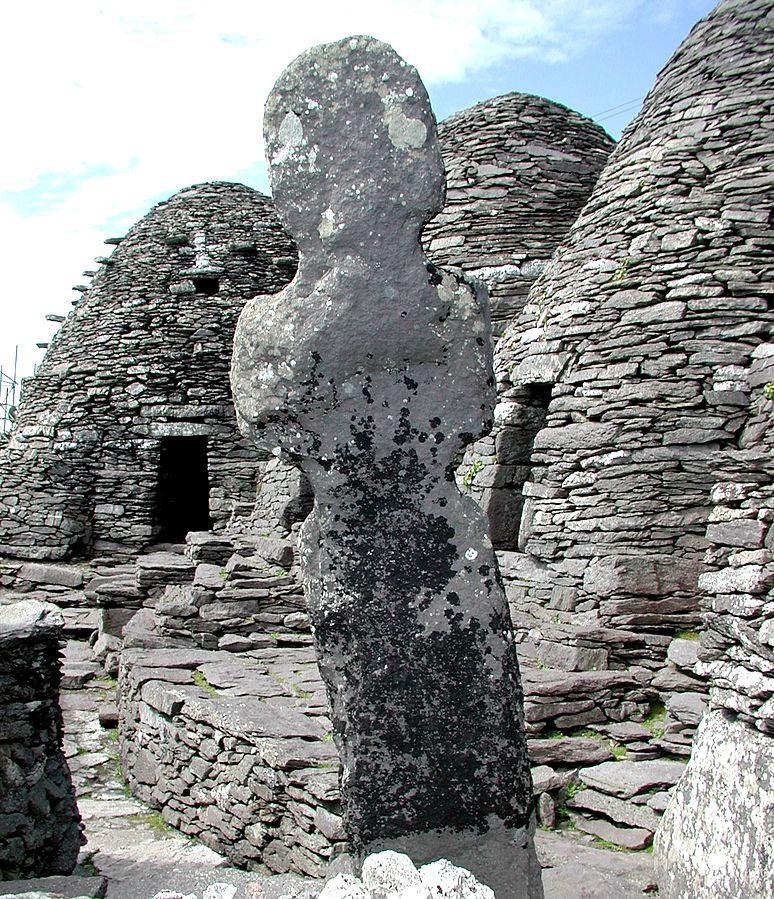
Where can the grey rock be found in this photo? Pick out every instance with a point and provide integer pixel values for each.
(683, 653)
(626, 837)
(39, 573)
(375, 415)
(714, 839)
(641, 575)
(545, 779)
(616, 809)
(30, 619)
(687, 708)
(627, 779)
(570, 751)
(70, 887)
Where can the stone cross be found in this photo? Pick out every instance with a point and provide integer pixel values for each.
(371, 371)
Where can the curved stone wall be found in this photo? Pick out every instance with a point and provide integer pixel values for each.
(135, 383)
(716, 838)
(518, 170)
(634, 344)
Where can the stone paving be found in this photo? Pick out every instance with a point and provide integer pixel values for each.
(130, 845)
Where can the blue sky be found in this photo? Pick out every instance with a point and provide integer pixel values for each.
(109, 107)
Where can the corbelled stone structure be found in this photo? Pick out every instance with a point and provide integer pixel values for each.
(40, 829)
(126, 434)
(717, 838)
(630, 359)
(371, 371)
(519, 169)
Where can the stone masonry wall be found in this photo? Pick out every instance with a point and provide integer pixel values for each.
(737, 643)
(143, 357)
(235, 751)
(716, 837)
(635, 342)
(40, 832)
(518, 171)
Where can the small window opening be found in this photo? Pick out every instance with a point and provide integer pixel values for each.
(183, 496)
(207, 286)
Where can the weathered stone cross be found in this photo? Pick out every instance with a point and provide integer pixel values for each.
(371, 371)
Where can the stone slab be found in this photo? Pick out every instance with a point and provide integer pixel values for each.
(572, 751)
(626, 837)
(617, 810)
(627, 779)
(73, 887)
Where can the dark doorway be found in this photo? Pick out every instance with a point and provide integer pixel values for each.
(207, 286)
(514, 443)
(184, 490)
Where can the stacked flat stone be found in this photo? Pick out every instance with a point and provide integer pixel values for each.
(737, 643)
(252, 600)
(627, 368)
(236, 751)
(284, 500)
(40, 829)
(143, 355)
(518, 170)
(717, 838)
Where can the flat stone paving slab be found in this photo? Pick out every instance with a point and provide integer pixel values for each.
(580, 870)
(64, 887)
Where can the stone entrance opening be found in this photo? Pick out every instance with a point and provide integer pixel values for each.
(182, 499)
(523, 415)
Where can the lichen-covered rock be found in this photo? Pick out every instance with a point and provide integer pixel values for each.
(392, 875)
(371, 371)
(717, 834)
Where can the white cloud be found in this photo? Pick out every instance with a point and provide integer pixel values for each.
(122, 102)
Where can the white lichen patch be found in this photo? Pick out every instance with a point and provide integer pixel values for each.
(405, 133)
(290, 135)
(327, 224)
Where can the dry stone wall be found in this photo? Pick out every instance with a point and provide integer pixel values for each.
(40, 829)
(518, 170)
(635, 343)
(717, 838)
(236, 751)
(130, 412)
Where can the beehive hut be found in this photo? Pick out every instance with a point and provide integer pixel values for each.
(518, 170)
(630, 359)
(126, 435)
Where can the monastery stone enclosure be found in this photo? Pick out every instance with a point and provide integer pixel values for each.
(286, 612)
